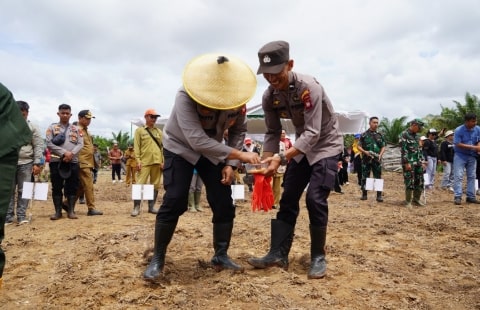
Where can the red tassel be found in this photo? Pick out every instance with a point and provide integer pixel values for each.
(262, 196)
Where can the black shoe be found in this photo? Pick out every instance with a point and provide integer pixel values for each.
(458, 201)
(473, 200)
(94, 212)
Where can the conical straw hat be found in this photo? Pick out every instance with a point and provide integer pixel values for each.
(219, 82)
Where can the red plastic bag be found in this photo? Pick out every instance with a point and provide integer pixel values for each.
(262, 196)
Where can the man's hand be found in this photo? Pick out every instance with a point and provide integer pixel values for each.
(227, 175)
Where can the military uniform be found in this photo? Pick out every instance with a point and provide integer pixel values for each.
(15, 134)
(68, 186)
(373, 142)
(411, 153)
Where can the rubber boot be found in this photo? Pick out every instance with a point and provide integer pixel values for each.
(222, 233)
(196, 199)
(57, 203)
(281, 242)
(151, 203)
(417, 194)
(379, 197)
(71, 207)
(136, 208)
(191, 202)
(318, 265)
(163, 235)
(408, 198)
(364, 195)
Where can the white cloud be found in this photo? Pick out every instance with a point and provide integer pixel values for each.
(118, 58)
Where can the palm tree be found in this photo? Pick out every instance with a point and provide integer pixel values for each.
(451, 118)
(391, 130)
(122, 139)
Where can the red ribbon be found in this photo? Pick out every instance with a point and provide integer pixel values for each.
(262, 196)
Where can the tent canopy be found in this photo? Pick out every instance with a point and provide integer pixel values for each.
(350, 122)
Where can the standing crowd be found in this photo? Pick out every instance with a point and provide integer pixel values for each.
(204, 143)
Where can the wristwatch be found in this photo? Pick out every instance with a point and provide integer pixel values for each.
(283, 159)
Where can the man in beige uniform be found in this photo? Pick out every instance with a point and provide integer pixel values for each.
(86, 163)
(149, 154)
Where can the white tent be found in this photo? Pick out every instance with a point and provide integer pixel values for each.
(350, 122)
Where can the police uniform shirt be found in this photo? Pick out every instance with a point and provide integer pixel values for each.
(194, 130)
(73, 141)
(308, 106)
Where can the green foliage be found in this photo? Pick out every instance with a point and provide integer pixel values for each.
(451, 118)
(122, 139)
(392, 129)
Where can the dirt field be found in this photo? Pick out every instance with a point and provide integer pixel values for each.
(380, 256)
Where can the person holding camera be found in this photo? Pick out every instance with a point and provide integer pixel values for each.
(65, 141)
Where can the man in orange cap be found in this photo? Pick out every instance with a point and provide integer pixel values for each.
(149, 154)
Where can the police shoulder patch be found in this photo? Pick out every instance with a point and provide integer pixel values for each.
(306, 99)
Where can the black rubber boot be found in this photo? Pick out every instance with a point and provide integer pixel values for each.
(364, 195)
(379, 197)
(151, 203)
(222, 233)
(281, 242)
(136, 208)
(71, 207)
(163, 235)
(57, 202)
(318, 265)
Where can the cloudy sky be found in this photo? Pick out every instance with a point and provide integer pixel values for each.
(389, 58)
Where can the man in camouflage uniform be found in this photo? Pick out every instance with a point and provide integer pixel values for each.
(413, 163)
(372, 146)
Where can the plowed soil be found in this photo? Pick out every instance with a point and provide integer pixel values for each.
(380, 256)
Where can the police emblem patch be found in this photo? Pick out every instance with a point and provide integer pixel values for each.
(307, 102)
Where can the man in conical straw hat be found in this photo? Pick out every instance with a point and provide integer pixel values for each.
(213, 98)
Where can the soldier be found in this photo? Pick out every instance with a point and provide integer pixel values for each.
(86, 163)
(413, 163)
(65, 141)
(213, 98)
(15, 134)
(312, 159)
(372, 146)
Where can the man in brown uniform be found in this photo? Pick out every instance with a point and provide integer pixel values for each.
(86, 163)
(130, 165)
(149, 154)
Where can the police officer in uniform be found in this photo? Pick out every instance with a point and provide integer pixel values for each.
(64, 154)
(213, 98)
(312, 160)
(372, 146)
(86, 163)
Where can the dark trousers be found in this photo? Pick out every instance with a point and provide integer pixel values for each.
(8, 166)
(68, 186)
(116, 169)
(177, 175)
(320, 178)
